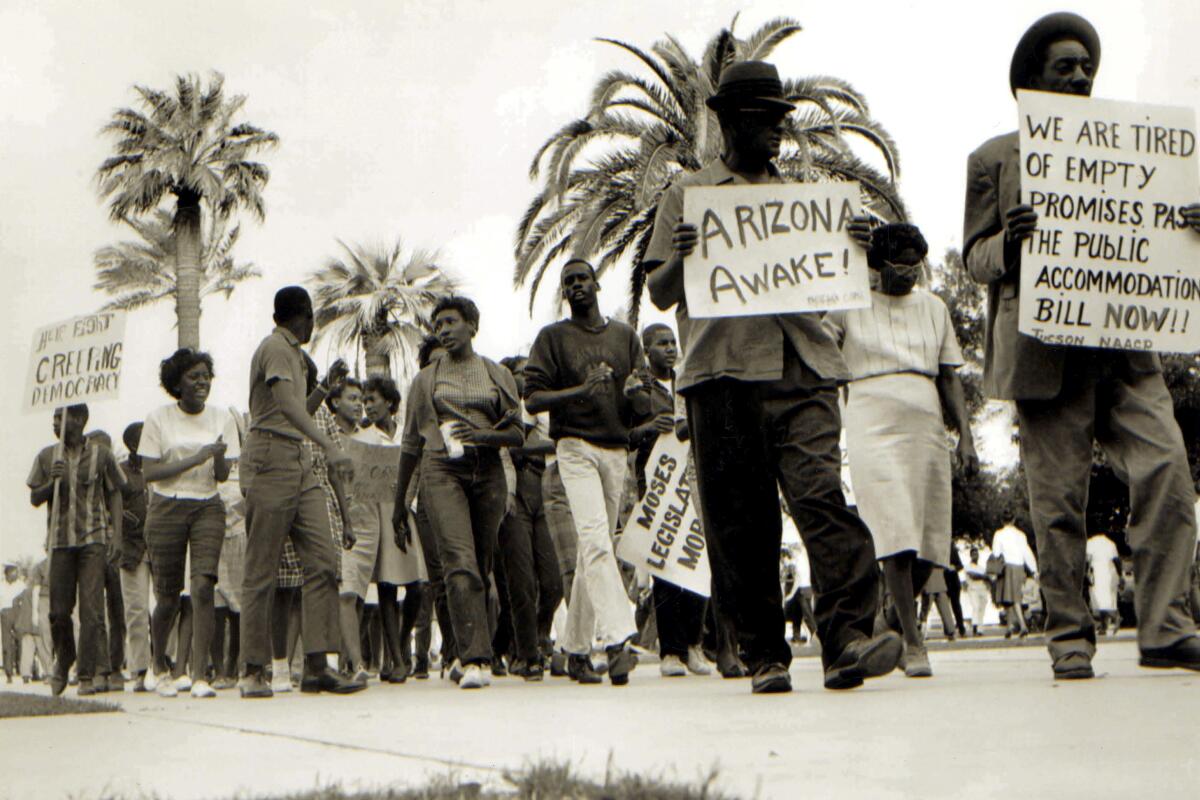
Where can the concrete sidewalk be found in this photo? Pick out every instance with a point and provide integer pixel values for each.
(991, 723)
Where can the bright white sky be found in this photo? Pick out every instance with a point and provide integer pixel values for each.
(419, 120)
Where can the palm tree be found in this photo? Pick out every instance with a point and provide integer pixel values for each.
(185, 144)
(603, 174)
(142, 272)
(377, 301)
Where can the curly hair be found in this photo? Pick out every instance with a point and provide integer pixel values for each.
(510, 362)
(465, 306)
(336, 391)
(386, 388)
(174, 367)
(889, 241)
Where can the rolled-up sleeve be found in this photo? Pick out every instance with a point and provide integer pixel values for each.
(276, 360)
(670, 214)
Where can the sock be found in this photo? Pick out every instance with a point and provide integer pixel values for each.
(333, 661)
(280, 669)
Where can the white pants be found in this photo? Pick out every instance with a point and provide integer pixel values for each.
(594, 478)
(135, 591)
(28, 651)
(979, 594)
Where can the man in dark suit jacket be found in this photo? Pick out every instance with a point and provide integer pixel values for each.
(1066, 396)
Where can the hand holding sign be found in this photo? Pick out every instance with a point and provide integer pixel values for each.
(778, 248)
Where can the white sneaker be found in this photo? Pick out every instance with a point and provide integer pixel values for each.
(151, 680)
(487, 676)
(183, 683)
(202, 689)
(281, 680)
(672, 667)
(472, 678)
(696, 663)
(164, 686)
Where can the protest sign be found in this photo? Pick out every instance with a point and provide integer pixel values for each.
(1111, 263)
(774, 248)
(376, 471)
(663, 534)
(76, 361)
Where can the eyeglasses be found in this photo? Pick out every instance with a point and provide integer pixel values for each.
(905, 269)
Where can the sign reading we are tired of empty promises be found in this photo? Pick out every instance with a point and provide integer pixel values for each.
(1112, 263)
(774, 248)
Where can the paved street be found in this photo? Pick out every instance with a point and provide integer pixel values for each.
(991, 723)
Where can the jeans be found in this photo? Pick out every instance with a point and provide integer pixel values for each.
(436, 591)
(1132, 418)
(751, 440)
(533, 583)
(283, 499)
(135, 591)
(464, 498)
(594, 478)
(77, 572)
(111, 657)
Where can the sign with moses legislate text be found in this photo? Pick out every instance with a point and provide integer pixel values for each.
(1111, 263)
(376, 471)
(776, 248)
(663, 534)
(75, 361)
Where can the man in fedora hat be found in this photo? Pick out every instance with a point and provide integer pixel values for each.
(762, 410)
(1068, 396)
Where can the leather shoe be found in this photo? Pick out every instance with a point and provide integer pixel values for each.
(621, 662)
(328, 680)
(1184, 654)
(771, 679)
(865, 658)
(579, 669)
(254, 684)
(1074, 667)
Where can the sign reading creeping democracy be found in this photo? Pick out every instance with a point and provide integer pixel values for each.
(376, 471)
(1111, 263)
(775, 248)
(76, 361)
(663, 534)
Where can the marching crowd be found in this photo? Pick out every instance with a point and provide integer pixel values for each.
(224, 538)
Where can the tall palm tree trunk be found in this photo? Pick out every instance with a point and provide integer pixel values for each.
(188, 273)
(377, 362)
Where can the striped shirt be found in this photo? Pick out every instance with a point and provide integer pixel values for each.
(909, 333)
(465, 392)
(81, 518)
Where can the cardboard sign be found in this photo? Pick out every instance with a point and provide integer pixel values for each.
(663, 534)
(777, 248)
(1111, 263)
(376, 471)
(76, 361)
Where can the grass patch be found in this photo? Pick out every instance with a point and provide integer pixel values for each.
(14, 704)
(539, 782)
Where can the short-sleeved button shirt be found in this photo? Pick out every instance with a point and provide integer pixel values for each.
(278, 358)
(744, 348)
(81, 517)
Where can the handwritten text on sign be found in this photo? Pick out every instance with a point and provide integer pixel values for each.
(376, 471)
(1111, 263)
(774, 248)
(76, 361)
(663, 535)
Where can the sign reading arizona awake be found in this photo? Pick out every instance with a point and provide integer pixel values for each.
(76, 361)
(775, 248)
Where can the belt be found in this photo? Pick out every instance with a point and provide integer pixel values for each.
(276, 435)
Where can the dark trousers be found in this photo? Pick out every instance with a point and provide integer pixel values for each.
(9, 641)
(77, 572)
(679, 615)
(798, 611)
(464, 499)
(423, 629)
(284, 499)
(533, 585)
(954, 592)
(224, 660)
(436, 591)
(1132, 418)
(111, 657)
(751, 439)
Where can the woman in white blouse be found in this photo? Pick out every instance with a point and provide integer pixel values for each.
(186, 449)
(902, 355)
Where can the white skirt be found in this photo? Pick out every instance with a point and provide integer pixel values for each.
(900, 464)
